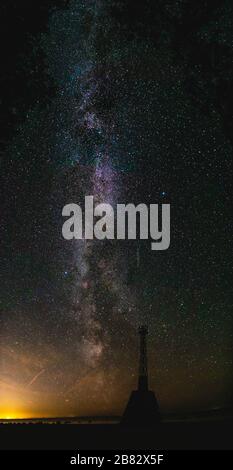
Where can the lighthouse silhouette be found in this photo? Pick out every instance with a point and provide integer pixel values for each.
(142, 409)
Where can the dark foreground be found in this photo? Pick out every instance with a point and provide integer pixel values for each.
(203, 435)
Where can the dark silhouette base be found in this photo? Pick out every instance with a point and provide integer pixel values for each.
(142, 410)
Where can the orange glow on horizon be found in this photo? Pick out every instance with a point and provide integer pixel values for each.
(11, 415)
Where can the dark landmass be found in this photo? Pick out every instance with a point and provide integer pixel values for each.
(207, 435)
(204, 430)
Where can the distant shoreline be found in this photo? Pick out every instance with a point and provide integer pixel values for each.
(202, 416)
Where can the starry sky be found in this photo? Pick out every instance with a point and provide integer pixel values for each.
(128, 101)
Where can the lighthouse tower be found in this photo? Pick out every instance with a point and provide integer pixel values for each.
(143, 374)
(142, 409)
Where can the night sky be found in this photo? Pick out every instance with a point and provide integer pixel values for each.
(129, 101)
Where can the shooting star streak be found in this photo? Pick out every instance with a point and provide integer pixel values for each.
(32, 381)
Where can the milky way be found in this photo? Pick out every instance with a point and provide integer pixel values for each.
(130, 117)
